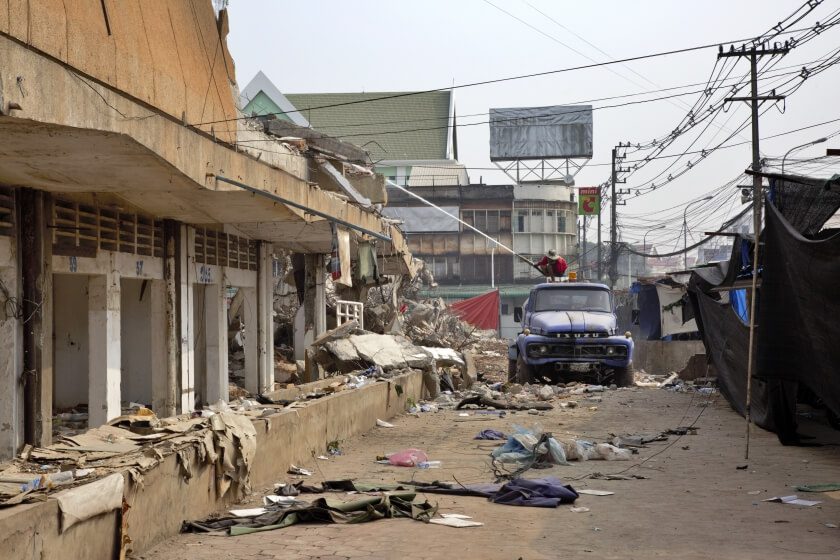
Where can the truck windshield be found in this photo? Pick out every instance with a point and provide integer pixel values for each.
(572, 299)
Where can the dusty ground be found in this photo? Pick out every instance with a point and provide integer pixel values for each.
(694, 504)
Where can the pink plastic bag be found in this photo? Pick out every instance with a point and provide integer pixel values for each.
(408, 458)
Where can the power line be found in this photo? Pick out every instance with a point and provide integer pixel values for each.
(506, 79)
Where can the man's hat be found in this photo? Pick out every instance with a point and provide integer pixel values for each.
(552, 255)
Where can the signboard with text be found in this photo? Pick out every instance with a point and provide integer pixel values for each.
(589, 201)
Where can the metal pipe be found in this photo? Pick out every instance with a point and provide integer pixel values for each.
(459, 220)
(307, 209)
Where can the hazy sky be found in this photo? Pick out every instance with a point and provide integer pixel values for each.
(396, 45)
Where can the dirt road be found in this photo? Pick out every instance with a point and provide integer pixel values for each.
(695, 502)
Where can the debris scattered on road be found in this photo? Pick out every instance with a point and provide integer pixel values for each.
(408, 458)
(490, 434)
(456, 520)
(580, 509)
(792, 500)
(299, 471)
(591, 492)
(383, 424)
(827, 487)
(278, 516)
(537, 492)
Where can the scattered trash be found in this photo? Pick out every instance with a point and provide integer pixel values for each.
(595, 492)
(270, 499)
(299, 471)
(490, 434)
(383, 424)
(580, 509)
(455, 522)
(754, 492)
(828, 487)
(601, 476)
(333, 448)
(408, 458)
(742, 467)
(276, 516)
(830, 525)
(792, 500)
(323, 458)
(537, 492)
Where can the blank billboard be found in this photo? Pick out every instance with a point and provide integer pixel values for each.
(561, 131)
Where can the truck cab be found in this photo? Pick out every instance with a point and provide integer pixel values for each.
(569, 333)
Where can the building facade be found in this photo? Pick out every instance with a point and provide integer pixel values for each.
(132, 201)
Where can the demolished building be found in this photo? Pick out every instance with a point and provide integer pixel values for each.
(133, 196)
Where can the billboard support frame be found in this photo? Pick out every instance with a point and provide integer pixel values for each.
(522, 171)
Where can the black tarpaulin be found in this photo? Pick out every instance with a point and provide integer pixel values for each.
(800, 302)
(650, 323)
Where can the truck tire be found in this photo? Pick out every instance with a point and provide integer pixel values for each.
(625, 377)
(511, 371)
(524, 372)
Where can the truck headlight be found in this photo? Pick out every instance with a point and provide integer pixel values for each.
(610, 350)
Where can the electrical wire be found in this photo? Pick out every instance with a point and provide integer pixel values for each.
(505, 79)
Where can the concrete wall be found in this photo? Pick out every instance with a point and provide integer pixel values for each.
(659, 357)
(167, 53)
(136, 338)
(165, 499)
(70, 309)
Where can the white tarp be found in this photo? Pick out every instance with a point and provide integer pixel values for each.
(671, 320)
(541, 132)
(90, 500)
(423, 218)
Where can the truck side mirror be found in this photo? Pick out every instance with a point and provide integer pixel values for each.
(517, 314)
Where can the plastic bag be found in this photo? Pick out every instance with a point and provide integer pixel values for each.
(558, 454)
(611, 453)
(408, 458)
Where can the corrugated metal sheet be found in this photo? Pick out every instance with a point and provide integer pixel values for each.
(435, 175)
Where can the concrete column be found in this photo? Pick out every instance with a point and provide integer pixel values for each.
(186, 303)
(250, 344)
(11, 354)
(265, 315)
(159, 350)
(216, 330)
(171, 257)
(104, 357)
(36, 306)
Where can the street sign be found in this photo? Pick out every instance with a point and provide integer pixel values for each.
(589, 201)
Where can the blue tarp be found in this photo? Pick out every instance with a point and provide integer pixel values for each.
(738, 300)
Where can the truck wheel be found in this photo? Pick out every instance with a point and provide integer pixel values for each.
(511, 371)
(625, 377)
(524, 372)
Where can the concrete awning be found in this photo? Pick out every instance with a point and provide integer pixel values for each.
(63, 159)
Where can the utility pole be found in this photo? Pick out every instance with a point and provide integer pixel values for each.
(600, 208)
(583, 272)
(613, 230)
(754, 99)
(614, 203)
